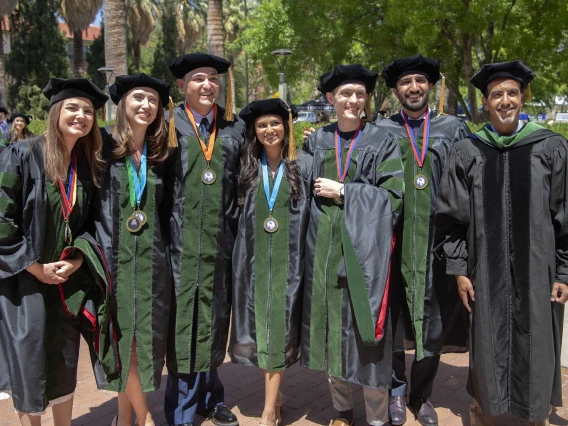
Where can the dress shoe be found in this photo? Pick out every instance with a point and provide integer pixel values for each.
(220, 415)
(342, 422)
(185, 424)
(397, 410)
(425, 412)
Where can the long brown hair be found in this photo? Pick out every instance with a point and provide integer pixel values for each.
(26, 134)
(156, 135)
(250, 160)
(90, 145)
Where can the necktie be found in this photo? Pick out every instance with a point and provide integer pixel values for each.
(204, 129)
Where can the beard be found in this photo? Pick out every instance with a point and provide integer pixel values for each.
(513, 118)
(414, 106)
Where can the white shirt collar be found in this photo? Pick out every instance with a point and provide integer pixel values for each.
(198, 117)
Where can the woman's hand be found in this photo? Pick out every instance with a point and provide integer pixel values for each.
(327, 188)
(66, 267)
(46, 273)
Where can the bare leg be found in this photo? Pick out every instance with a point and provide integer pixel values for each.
(62, 413)
(27, 420)
(134, 393)
(124, 417)
(272, 382)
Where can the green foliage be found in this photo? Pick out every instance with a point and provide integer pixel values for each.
(166, 49)
(463, 35)
(38, 53)
(95, 59)
(31, 101)
(38, 127)
(299, 129)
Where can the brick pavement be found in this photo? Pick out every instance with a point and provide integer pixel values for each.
(307, 400)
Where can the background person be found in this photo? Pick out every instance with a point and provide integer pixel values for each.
(19, 127)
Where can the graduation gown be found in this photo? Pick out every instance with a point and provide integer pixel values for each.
(203, 227)
(267, 276)
(427, 313)
(345, 323)
(139, 269)
(39, 335)
(502, 222)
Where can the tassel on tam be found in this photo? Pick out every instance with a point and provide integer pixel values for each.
(103, 112)
(172, 136)
(368, 108)
(229, 116)
(442, 97)
(292, 151)
(528, 94)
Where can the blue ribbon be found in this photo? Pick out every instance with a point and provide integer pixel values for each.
(271, 197)
(140, 177)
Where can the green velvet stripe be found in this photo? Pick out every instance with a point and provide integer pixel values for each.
(10, 181)
(271, 278)
(358, 290)
(8, 229)
(415, 235)
(125, 283)
(199, 254)
(144, 287)
(134, 285)
(327, 292)
(7, 206)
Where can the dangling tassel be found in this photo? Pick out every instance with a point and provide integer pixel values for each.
(292, 152)
(368, 108)
(229, 102)
(528, 94)
(172, 137)
(103, 112)
(442, 97)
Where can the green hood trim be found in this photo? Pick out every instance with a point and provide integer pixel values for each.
(505, 142)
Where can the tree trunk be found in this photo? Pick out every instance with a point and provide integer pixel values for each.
(468, 70)
(115, 38)
(451, 104)
(3, 100)
(136, 54)
(215, 37)
(78, 62)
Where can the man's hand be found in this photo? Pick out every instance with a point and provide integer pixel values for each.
(308, 132)
(465, 289)
(327, 188)
(559, 293)
(46, 273)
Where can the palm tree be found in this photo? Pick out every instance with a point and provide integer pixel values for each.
(6, 8)
(191, 23)
(79, 14)
(215, 35)
(141, 19)
(115, 37)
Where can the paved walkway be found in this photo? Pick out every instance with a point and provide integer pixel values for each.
(306, 397)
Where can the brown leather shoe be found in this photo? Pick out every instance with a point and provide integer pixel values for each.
(425, 412)
(397, 410)
(342, 422)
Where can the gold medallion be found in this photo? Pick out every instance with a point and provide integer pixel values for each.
(133, 223)
(208, 176)
(420, 181)
(270, 225)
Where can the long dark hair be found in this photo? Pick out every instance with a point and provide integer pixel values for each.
(250, 161)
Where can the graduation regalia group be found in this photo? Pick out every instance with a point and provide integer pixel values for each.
(172, 255)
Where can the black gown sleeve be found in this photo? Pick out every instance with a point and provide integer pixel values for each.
(559, 205)
(452, 213)
(19, 244)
